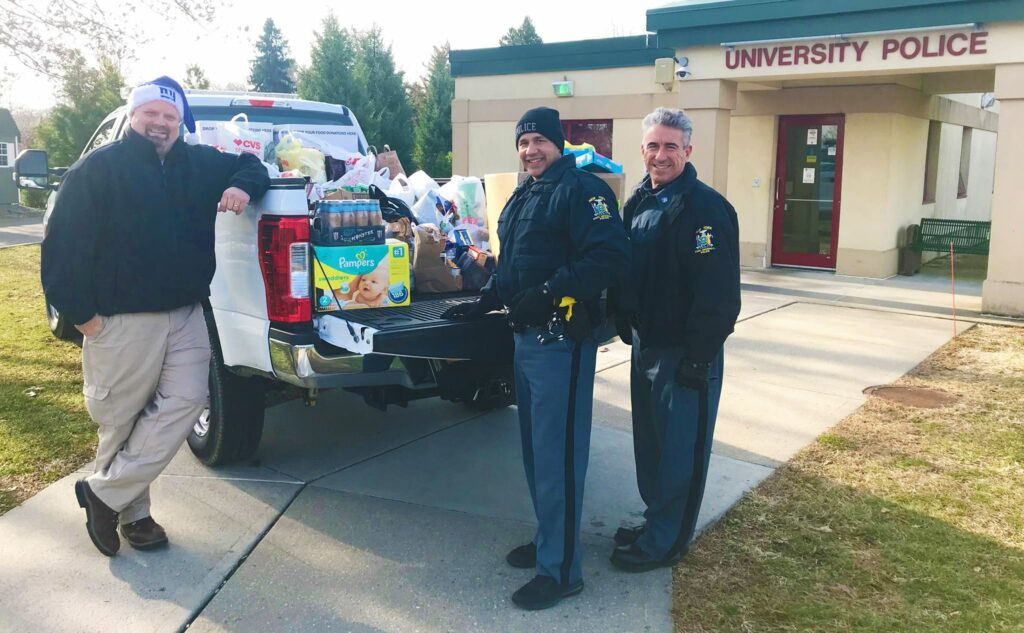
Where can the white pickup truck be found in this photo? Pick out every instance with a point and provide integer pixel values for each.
(261, 323)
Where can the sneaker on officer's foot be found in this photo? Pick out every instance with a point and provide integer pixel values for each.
(100, 519)
(625, 536)
(144, 534)
(543, 592)
(523, 557)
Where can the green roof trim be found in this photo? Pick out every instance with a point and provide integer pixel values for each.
(614, 52)
(697, 24)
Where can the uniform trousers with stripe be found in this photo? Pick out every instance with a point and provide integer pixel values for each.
(146, 383)
(555, 397)
(673, 429)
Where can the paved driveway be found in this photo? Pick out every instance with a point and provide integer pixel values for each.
(16, 229)
(355, 520)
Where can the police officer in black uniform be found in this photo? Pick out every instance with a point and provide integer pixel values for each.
(676, 306)
(561, 242)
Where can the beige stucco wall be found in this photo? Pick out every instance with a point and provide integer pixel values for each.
(587, 83)
(1003, 292)
(752, 146)
(982, 176)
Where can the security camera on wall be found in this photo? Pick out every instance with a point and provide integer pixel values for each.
(683, 69)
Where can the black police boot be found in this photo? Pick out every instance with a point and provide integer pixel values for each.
(544, 592)
(633, 559)
(625, 536)
(523, 557)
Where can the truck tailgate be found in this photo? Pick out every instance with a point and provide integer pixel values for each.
(419, 331)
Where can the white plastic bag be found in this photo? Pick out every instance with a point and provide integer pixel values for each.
(237, 136)
(421, 183)
(468, 195)
(401, 190)
(381, 178)
(360, 171)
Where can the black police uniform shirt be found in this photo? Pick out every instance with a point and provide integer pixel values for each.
(564, 229)
(683, 286)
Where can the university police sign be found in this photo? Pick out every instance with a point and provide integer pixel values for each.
(911, 47)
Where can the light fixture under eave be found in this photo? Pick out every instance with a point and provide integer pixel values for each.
(564, 88)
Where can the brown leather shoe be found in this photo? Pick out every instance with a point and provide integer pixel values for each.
(144, 534)
(100, 520)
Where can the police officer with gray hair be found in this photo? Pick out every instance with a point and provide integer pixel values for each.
(677, 306)
(561, 242)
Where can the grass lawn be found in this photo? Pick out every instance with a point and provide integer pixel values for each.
(899, 519)
(45, 431)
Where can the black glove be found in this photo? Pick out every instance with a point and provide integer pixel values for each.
(579, 328)
(532, 307)
(624, 328)
(473, 310)
(692, 375)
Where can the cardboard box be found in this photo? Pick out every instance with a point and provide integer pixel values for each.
(356, 277)
(499, 188)
(342, 194)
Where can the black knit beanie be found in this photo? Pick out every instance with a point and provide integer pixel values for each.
(543, 121)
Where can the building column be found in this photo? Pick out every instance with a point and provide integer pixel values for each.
(710, 104)
(1003, 291)
(460, 137)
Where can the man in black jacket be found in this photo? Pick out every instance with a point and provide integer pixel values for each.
(128, 258)
(561, 242)
(677, 306)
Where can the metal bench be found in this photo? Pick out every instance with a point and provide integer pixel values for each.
(968, 236)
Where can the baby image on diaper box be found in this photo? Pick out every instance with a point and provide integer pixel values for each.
(354, 277)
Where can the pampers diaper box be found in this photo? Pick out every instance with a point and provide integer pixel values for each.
(356, 277)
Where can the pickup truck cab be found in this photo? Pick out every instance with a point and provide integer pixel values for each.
(260, 318)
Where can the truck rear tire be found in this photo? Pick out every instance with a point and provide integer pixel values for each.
(230, 429)
(480, 386)
(59, 325)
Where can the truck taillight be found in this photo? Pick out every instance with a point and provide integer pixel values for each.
(284, 260)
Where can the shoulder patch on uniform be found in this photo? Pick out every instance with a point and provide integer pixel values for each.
(600, 207)
(705, 240)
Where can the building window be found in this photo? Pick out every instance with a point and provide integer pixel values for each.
(6, 149)
(965, 162)
(931, 162)
(597, 132)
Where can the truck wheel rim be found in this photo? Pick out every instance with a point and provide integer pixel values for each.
(202, 425)
(52, 313)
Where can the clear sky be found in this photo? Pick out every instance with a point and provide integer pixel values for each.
(224, 47)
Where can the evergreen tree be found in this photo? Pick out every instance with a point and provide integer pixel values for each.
(385, 113)
(432, 150)
(329, 76)
(273, 69)
(195, 78)
(86, 96)
(524, 34)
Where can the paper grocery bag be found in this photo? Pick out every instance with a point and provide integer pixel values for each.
(389, 158)
(432, 274)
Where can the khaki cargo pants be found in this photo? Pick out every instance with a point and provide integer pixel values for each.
(146, 383)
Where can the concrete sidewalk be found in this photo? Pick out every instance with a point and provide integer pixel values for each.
(356, 520)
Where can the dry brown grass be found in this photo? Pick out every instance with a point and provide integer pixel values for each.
(898, 519)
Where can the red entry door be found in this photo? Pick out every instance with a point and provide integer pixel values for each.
(808, 185)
